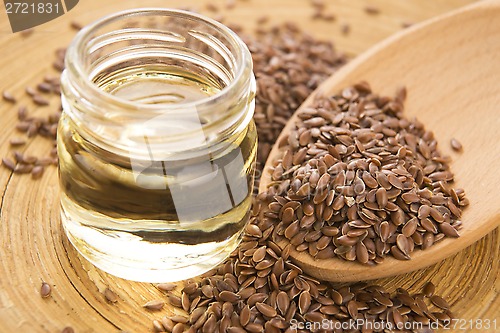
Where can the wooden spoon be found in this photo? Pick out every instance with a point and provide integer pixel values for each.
(451, 68)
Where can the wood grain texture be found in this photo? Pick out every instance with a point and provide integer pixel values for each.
(33, 247)
(450, 67)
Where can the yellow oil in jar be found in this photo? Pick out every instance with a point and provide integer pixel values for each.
(154, 220)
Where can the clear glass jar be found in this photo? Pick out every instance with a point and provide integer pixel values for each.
(156, 143)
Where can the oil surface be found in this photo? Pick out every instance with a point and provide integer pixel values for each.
(157, 85)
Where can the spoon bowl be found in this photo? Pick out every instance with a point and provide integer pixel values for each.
(451, 69)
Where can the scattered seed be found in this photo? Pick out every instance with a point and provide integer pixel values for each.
(166, 286)
(261, 303)
(9, 164)
(175, 300)
(22, 114)
(8, 97)
(110, 296)
(440, 302)
(27, 32)
(44, 161)
(30, 91)
(44, 87)
(328, 17)
(456, 145)
(76, 25)
(262, 20)
(37, 172)
(405, 24)
(320, 4)
(22, 168)
(230, 4)
(372, 10)
(58, 65)
(283, 96)
(429, 289)
(19, 157)
(68, 329)
(17, 142)
(345, 28)
(448, 230)
(212, 7)
(317, 14)
(45, 290)
(154, 305)
(40, 100)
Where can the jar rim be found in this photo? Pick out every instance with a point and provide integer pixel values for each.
(73, 58)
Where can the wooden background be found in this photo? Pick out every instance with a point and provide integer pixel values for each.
(33, 247)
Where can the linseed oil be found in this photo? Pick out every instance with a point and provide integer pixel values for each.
(150, 219)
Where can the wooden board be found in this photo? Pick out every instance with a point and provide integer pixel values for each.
(33, 247)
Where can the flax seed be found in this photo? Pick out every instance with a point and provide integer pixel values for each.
(372, 10)
(429, 289)
(37, 172)
(440, 302)
(110, 295)
(155, 305)
(406, 24)
(448, 230)
(266, 309)
(166, 286)
(23, 168)
(30, 91)
(456, 145)
(211, 7)
(27, 32)
(44, 87)
(9, 164)
(345, 28)
(76, 25)
(45, 290)
(39, 100)
(15, 142)
(8, 97)
(22, 113)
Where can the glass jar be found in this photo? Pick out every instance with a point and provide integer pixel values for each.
(156, 143)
